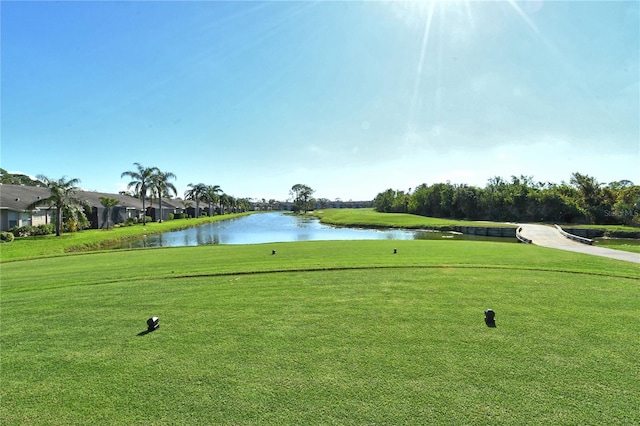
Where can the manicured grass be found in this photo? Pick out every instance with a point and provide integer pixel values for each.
(608, 228)
(625, 244)
(372, 218)
(94, 239)
(321, 333)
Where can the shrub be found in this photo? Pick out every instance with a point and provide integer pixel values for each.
(148, 219)
(179, 216)
(6, 237)
(21, 231)
(131, 221)
(44, 229)
(30, 230)
(171, 216)
(71, 225)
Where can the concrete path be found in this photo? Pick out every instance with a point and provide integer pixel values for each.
(549, 236)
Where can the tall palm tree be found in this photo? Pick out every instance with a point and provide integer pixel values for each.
(244, 204)
(212, 195)
(63, 197)
(161, 185)
(224, 202)
(196, 193)
(186, 204)
(108, 204)
(142, 182)
(233, 202)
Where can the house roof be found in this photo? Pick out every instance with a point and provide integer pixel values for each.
(93, 199)
(18, 197)
(171, 203)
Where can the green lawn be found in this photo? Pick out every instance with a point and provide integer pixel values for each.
(94, 239)
(625, 244)
(321, 333)
(372, 218)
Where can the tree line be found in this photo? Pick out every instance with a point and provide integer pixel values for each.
(154, 184)
(583, 200)
(147, 183)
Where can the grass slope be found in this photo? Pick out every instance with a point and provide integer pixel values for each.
(372, 218)
(94, 239)
(632, 246)
(321, 333)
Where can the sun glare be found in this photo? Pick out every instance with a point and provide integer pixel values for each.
(442, 25)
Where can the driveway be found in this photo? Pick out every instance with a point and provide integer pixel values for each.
(549, 236)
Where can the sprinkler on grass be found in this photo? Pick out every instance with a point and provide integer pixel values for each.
(490, 318)
(153, 324)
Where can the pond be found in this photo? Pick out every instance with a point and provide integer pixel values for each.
(283, 227)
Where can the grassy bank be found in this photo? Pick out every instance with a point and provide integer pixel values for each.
(321, 333)
(625, 244)
(94, 239)
(371, 218)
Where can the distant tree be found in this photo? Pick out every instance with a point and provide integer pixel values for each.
(186, 204)
(108, 204)
(197, 192)
(521, 199)
(161, 186)
(517, 195)
(627, 205)
(64, 198)
(18, 179)
(590, 196)
(243, 204)
(493, 198)
(384, 201)
(466, 202)
(301, 197)
(588, 188)
(401, 202)
(142, 180)
(620, 185)
(212, 196)
(557, 203)
(225, 201)
(323, 202)
(232, 203)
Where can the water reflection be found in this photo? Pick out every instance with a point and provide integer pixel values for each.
(283, 227)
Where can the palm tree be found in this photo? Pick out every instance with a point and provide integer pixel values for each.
(224, 202)
(211, 195)
(196, 193)
(142, 182)
(233, 202)
(108, 203)
(63, 197)
(244, 204)
(186, 205)
(162, 185)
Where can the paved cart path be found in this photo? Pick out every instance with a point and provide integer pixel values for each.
(548, 236)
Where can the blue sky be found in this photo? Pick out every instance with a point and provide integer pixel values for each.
(350, 98)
